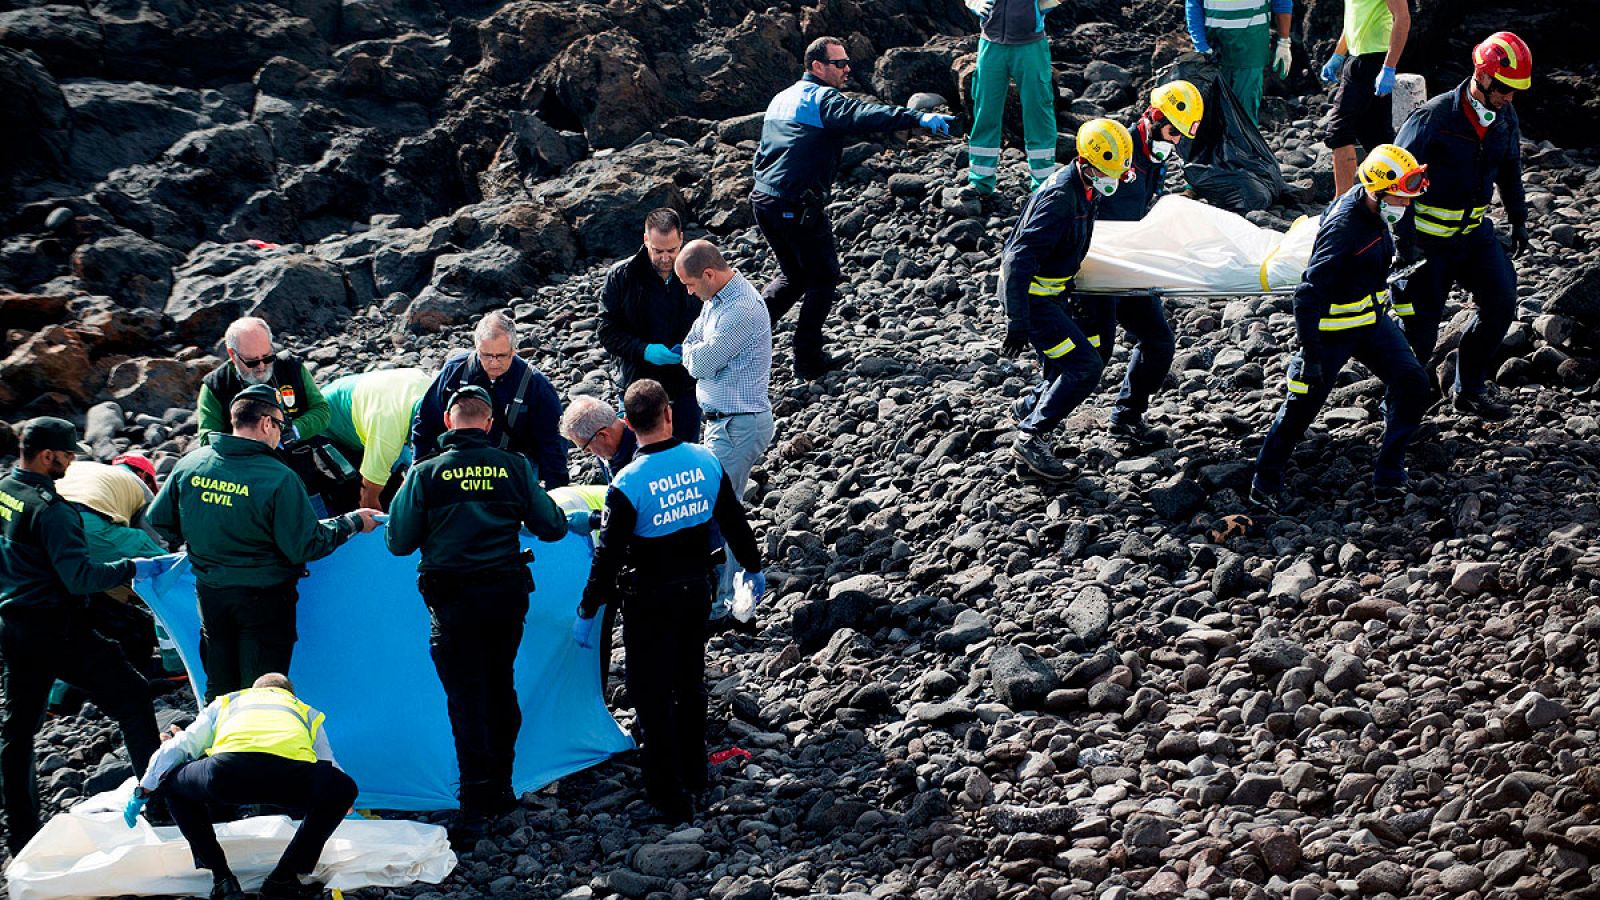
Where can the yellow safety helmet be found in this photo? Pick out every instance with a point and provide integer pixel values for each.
(1107, 146)
(1181, 104)
(1389, 169)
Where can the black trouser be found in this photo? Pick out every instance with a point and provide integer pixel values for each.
(36, 648)
(1359, 115)
(664, 633)
(1146, 320)
(808, 268)
(316, 790)
(1477, 262)
(245, 632)
(477, 629)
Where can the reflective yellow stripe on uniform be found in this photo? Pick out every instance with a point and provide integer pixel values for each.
(1061, 349)
(1437, 221)
(1094, 340)
(1403, 309)
(1047, 287)
(1298, 387)
(1354, 314)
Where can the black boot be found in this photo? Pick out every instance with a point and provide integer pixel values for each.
(226, 887)
(283, 886)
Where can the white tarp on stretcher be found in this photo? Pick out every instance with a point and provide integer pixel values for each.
(1186, 245)
(89, 852)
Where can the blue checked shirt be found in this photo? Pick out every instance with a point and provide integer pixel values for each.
(729, 351)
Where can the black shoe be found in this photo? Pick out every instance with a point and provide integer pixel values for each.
(813, 369)
(1038, 457)
(1389, 493)
(1139, 435)
(1261, 498)
(226, 888)
(1482, 406)
(465, 833)
(289, 887)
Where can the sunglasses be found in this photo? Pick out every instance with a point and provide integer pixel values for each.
(258, 361)
(1498, 87)
(838, 63)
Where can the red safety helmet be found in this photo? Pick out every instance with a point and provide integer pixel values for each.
(1504, 57)
(141, 466)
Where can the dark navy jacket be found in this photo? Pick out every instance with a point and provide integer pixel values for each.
(658, 515)
(638, 308)
(537, 434)
(1049, 243)
(1134, 198)
(1345, 280)
(803, 135)
(1463, 171)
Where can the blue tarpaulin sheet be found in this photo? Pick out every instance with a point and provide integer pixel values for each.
(362, 659)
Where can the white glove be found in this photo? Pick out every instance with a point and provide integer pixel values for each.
(981, 8)
(1281, 57)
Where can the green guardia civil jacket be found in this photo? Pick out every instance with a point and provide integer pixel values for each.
(244, 515)
(465, 507)
(44, 560)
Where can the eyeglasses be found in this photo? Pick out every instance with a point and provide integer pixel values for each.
(276, 421)
(584, 447)
(838, 63)
(258, 361)
(494, 357)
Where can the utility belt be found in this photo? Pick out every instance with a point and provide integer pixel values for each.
(633, 585)
(1440, 222)
(439, 585)
(714, 416)
(1355, 314)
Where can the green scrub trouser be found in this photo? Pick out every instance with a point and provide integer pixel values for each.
(999, 65)
(1243, 54)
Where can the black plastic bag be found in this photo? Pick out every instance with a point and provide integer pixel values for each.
(1228, 163)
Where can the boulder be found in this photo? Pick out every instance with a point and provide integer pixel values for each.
(522, 37)
(31, 311)
(153, 385)
(903, 71)
(606, 82)
(817, 621)
(1021, 679)
(37, 116)
(294, 292)
(130, 269)
(117, 124)
(466, 285)
(604, 199)
(64, 36)
(54, 359)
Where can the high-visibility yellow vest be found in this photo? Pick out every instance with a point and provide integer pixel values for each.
(266, 720)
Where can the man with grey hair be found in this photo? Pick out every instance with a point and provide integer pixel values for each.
(527, 410)
(729, 352)
(251, 360)
(594, 427)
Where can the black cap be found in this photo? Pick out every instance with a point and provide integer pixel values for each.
(262, 393)
(470, 392)
(51, 433)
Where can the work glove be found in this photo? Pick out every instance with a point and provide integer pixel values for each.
(154, 566)
(131, 810)
(1384, 86)
(580, 523)
(1016, 341)
(938, 124)
(1331, 68)
(1519, 240)
(758, 583)
(981, 8)
(1310, 368)
(1281, 56)
(659, 355)
(583, 632)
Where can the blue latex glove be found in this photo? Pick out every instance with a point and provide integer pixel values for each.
(580, 523)
(659, 355)
(678, 349)
(1331, 68)
(936, 123)
(154, 566)
(758, 584)
(1195, 19)
(130, 812)
(1384, 86)
(583, 632)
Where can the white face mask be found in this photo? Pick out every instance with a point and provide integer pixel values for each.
(1392, 213)
(1105, 185)
(1160, 150)
(1485, 114)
